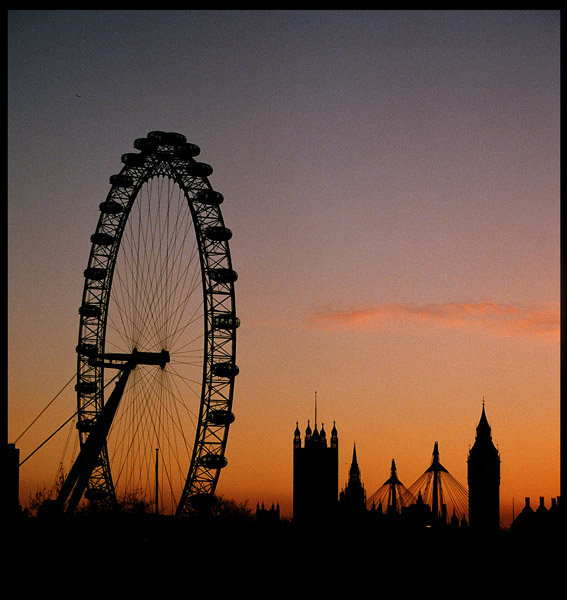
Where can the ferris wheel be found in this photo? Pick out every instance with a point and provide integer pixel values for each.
(156, 353)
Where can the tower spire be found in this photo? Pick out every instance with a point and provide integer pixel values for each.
(315, 410)
(436, 468)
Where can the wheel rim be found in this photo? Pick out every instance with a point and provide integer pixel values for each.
(159, 277)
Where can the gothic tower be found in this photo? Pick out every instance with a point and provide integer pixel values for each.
(315, 474)
(484, 480)
(353, 497)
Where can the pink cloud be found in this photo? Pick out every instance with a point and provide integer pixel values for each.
(503, 319)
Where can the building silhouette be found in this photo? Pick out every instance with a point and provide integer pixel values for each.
(315, 474)
(352, 500)
(267, 515)
(541, 521)
(315, 477)
(483, 465)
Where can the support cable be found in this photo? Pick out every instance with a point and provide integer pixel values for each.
(41, 413)
(47, 440)
(60, 427)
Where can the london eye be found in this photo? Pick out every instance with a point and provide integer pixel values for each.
(156, 352)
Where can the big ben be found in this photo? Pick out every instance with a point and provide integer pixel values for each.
(484, 480)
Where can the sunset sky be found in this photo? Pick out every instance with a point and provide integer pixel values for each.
(392, 182)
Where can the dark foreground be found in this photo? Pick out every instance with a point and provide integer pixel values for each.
(150, 554)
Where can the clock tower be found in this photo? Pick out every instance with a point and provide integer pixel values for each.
(484, 480)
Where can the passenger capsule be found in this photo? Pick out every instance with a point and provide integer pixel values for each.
(86, 349)
(102, 239)
(131, 159)
(144, 144)
(213, 461)
(95, 273)
(175, 139)
(218, 233)
(168, 138)
(202, 169)
(226, 321)
(120, 180)
(226, 369)
(188, 150)
(86, 387)
(220, 417)
(85, 425)
(209, 197)
(223, 275)
(156, 136)
(90, 310)
(110, 207)
(96, 494)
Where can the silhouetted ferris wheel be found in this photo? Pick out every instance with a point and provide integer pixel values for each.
(157, 337)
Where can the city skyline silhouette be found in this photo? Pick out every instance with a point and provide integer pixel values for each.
(391, 179)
